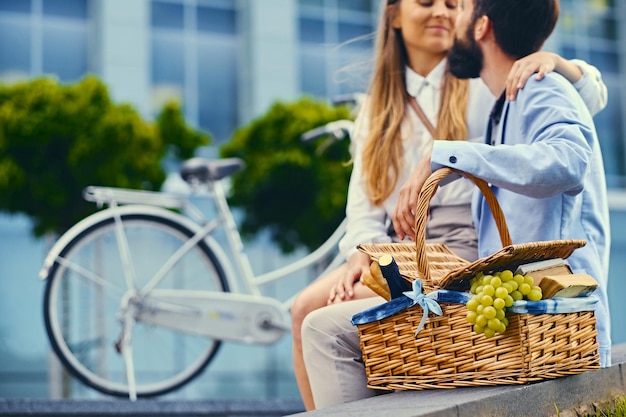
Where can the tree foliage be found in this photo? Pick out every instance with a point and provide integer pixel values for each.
(297, 191)
(56, 139)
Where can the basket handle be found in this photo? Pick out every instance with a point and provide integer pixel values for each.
(421, 214)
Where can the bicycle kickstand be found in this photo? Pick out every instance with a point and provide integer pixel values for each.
(124, 347)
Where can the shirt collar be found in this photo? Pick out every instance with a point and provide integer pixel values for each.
(415, 82)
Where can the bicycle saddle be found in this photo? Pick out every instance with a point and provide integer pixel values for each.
(205, 170)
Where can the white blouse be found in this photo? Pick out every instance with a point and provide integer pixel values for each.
(368, 223)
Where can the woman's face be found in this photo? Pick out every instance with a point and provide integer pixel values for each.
(427, 26)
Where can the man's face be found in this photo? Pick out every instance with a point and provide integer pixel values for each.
(465, 56)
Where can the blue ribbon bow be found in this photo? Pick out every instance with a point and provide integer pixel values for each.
(427, 302)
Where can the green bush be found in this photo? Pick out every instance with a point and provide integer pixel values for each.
(293, 189)
(56, 139)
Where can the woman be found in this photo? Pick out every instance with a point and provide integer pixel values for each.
(414, 37)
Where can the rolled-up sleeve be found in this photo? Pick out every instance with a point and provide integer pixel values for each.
(591, 87)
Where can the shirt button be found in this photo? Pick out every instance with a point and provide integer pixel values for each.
(452, 159)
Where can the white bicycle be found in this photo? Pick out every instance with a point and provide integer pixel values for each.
(139, 296)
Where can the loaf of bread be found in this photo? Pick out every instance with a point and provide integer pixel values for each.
(549, 267)
(570, 285)
(376, 281)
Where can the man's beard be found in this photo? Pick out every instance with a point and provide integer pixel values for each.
(465, 61)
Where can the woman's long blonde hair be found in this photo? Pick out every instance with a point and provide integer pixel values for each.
(382, 155)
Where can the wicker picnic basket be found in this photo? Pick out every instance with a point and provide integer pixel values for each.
(446, 353)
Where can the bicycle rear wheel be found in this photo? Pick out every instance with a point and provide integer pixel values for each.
(84, 292)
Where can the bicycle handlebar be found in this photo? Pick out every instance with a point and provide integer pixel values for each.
(352, 99)
(339, 129)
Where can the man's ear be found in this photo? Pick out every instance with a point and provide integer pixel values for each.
(482, 27)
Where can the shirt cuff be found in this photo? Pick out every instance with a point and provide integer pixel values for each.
(444, 154)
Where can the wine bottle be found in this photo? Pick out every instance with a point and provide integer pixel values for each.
(391, 272)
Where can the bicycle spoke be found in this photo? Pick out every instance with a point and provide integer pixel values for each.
(83, 349)
(177, 255)
(93, 277)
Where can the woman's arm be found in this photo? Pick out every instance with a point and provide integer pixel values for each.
(585, 77)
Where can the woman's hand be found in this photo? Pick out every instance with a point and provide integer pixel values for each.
(344, 288)
(540, 63)
(403, 217)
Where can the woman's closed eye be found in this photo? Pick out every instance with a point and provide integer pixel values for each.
(452, 5)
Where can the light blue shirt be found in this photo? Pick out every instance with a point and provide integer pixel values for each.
(546, 170)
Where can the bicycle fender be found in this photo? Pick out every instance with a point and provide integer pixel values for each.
(111, 212)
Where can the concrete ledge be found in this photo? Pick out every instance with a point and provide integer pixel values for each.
(538, 399)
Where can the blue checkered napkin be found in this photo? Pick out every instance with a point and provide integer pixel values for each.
(428, 302)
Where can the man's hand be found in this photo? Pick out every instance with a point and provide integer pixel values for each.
(403, 217)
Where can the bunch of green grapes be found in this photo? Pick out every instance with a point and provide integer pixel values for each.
(492, 294)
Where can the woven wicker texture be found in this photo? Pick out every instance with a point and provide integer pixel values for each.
(446, 353)
(440, 258)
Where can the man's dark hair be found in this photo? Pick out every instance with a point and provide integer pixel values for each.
(520, 26)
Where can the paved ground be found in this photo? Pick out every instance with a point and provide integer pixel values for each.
(149, 408)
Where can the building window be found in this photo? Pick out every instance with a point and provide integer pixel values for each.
(44, 37)
(588, 30)
(194, 59)
(336, 41)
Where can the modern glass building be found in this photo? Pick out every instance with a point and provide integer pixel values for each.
(228, 61)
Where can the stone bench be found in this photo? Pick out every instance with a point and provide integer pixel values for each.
(537, 399)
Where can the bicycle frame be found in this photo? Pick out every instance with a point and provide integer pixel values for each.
(117, 198)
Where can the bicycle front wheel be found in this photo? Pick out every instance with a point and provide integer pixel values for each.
(85, 290)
